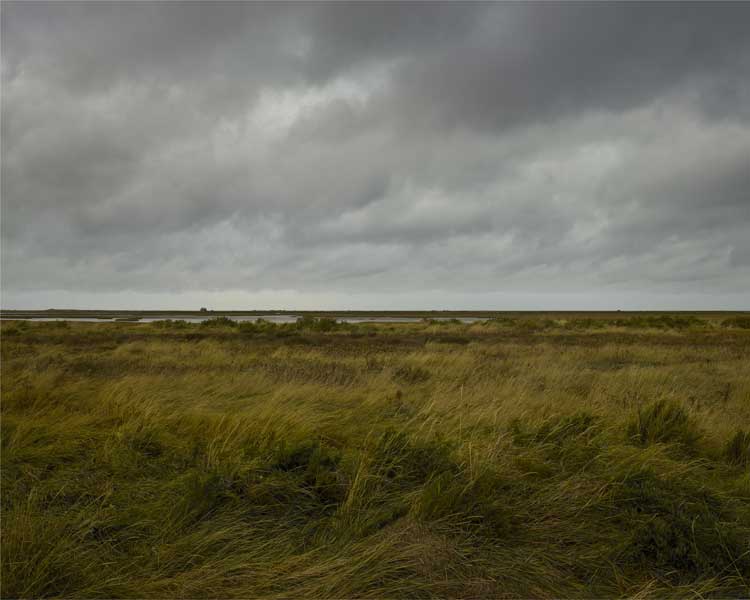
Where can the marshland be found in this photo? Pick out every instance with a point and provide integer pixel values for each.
(521, 455)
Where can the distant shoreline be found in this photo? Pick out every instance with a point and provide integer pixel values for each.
(426, 314)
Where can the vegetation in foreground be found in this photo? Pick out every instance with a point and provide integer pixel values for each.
(513, 458)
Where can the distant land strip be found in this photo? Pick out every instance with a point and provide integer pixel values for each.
(426, 314)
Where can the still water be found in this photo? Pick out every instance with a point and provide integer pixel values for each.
(270, 318)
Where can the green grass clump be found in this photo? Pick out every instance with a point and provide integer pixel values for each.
(555, 430)
(406, 461)
(315, 467)
(737, 449)
(680, 527)
(664, 421)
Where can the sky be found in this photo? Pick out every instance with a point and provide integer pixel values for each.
(319, 155)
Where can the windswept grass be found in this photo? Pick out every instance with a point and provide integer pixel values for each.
(664, 421)
(518, 458)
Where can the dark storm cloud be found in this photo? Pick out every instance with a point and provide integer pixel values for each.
(180, 147)
(546, 61)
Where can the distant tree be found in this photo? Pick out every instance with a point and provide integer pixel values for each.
(204, 309)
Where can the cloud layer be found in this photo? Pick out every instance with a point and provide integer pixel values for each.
(446, 155)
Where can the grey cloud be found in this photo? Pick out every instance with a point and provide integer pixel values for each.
(405, 148)
(542, 61)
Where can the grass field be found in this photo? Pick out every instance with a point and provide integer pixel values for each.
(526, 456)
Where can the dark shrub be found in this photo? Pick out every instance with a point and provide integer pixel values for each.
(262, 326)
(322, 324)
(249, 327)
(219, 322)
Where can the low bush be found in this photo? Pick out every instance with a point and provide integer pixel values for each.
(217, 322)
(171, 324)
(321, 324)
(740, 322)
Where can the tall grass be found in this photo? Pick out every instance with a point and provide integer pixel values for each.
(414, 460)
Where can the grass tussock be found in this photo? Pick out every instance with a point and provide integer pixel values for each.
(325, 459)
(737, 449)
(664, 421)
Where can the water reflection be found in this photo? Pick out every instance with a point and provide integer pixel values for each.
(240, 319)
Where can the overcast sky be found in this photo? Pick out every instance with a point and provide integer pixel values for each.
(375, 155)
